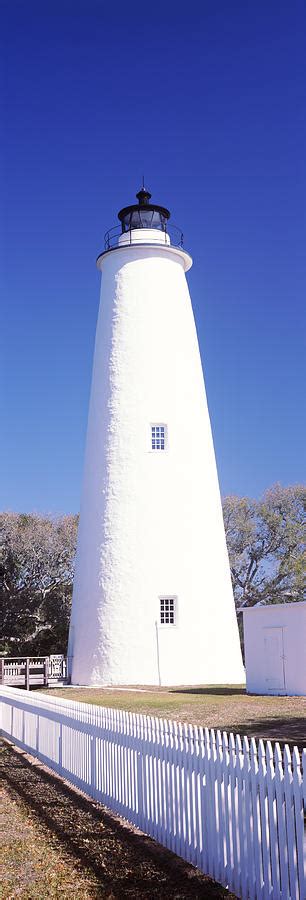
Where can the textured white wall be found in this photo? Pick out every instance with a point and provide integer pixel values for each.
(149, 236)
(259, 621)
(151, 522)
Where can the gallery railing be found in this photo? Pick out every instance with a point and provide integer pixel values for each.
(175, 235)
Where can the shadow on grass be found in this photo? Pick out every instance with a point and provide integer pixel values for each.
(286, 730)
(125, 863)
(212, 691)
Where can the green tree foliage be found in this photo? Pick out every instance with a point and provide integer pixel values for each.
(266, 544)
(36, 572)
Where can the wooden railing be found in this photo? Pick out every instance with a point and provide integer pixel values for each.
(26, 671)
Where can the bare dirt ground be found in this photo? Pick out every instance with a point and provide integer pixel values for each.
(58, 844)
(228, 708)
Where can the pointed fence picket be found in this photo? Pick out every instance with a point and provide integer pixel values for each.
(234, 808)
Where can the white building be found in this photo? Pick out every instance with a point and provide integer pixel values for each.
(152, 601)
(275, 640)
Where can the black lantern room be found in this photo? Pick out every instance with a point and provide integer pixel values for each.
(143, 215)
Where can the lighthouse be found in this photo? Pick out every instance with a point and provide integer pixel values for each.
(152, 600)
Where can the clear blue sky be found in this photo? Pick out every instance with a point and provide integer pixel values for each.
(209, 102)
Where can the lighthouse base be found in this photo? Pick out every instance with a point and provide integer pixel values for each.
(169, 656)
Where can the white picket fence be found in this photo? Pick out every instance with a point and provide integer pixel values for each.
(231, 807)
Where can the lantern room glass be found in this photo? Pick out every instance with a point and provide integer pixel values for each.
(143, 218)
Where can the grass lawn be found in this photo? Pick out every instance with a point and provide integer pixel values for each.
(57, 843)
(225, 707)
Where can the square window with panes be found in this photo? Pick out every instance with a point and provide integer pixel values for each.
(167, 610)
(158, 437)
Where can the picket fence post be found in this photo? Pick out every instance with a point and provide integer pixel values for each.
(299, 819)
(140, 784)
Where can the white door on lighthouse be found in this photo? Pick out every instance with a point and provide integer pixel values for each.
(152, 599)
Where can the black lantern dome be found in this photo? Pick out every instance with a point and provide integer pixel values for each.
(143, 215)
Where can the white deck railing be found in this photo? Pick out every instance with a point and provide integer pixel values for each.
(33, 670)
(231, 807)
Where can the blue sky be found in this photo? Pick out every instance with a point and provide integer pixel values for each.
(208, 102)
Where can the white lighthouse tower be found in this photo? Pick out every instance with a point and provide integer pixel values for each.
(152, 601)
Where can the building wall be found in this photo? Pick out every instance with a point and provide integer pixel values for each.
(275, 640)
(151, 522)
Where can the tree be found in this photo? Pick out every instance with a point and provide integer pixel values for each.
(266, 544)
(36, 574)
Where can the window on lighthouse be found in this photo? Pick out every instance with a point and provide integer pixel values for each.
(158, 437)
(167, 610)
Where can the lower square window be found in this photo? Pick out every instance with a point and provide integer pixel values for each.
(158, 437)
(167, 610)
